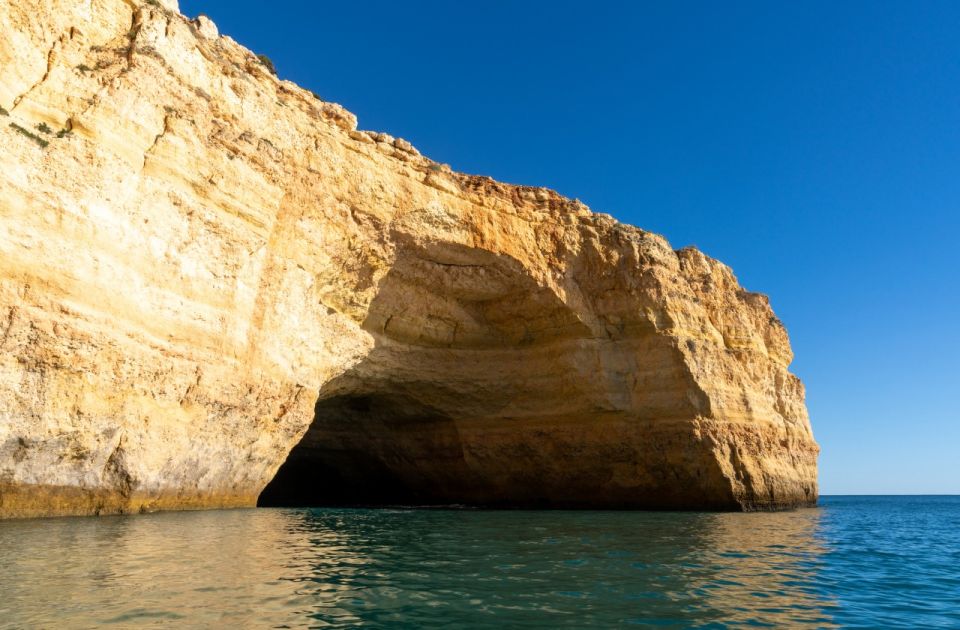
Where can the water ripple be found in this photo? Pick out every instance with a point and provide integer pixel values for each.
(867, 562)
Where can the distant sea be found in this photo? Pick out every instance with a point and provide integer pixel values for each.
(878, 562)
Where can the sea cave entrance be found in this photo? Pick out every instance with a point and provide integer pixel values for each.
(371, 449)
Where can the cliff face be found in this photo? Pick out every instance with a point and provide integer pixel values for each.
(204, 269)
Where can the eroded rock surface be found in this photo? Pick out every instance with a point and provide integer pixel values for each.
(204, 269)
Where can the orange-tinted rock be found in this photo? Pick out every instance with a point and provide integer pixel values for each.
(210, 268)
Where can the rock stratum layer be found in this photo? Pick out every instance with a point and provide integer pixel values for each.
(208, 275)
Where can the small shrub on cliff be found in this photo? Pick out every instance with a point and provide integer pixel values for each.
(45, 128)
(4, 112)
(84, 68)
(63, 133)
(43, 143)
(268, 63)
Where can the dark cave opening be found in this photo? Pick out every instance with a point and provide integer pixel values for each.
(365, 450)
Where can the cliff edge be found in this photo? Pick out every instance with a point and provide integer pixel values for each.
(214, 289)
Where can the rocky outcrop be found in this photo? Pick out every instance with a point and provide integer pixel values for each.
(205, 269)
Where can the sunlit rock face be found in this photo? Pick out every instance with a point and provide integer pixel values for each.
(204, 269)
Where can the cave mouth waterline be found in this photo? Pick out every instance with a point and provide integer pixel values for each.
(371, 450)
(391, 450)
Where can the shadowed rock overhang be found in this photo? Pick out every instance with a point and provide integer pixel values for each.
(483, 388)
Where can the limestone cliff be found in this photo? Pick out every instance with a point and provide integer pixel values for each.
(205, 269)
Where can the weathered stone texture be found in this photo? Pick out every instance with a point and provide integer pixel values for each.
(207, 264)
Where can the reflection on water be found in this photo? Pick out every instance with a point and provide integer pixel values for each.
(273, 567)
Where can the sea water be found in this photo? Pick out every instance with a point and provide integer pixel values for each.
(854, 561)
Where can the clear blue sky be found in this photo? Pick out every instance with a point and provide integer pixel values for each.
(812, 146)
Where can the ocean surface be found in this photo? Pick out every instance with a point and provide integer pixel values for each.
(878, 562)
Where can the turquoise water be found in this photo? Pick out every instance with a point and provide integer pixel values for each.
(855, 561)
